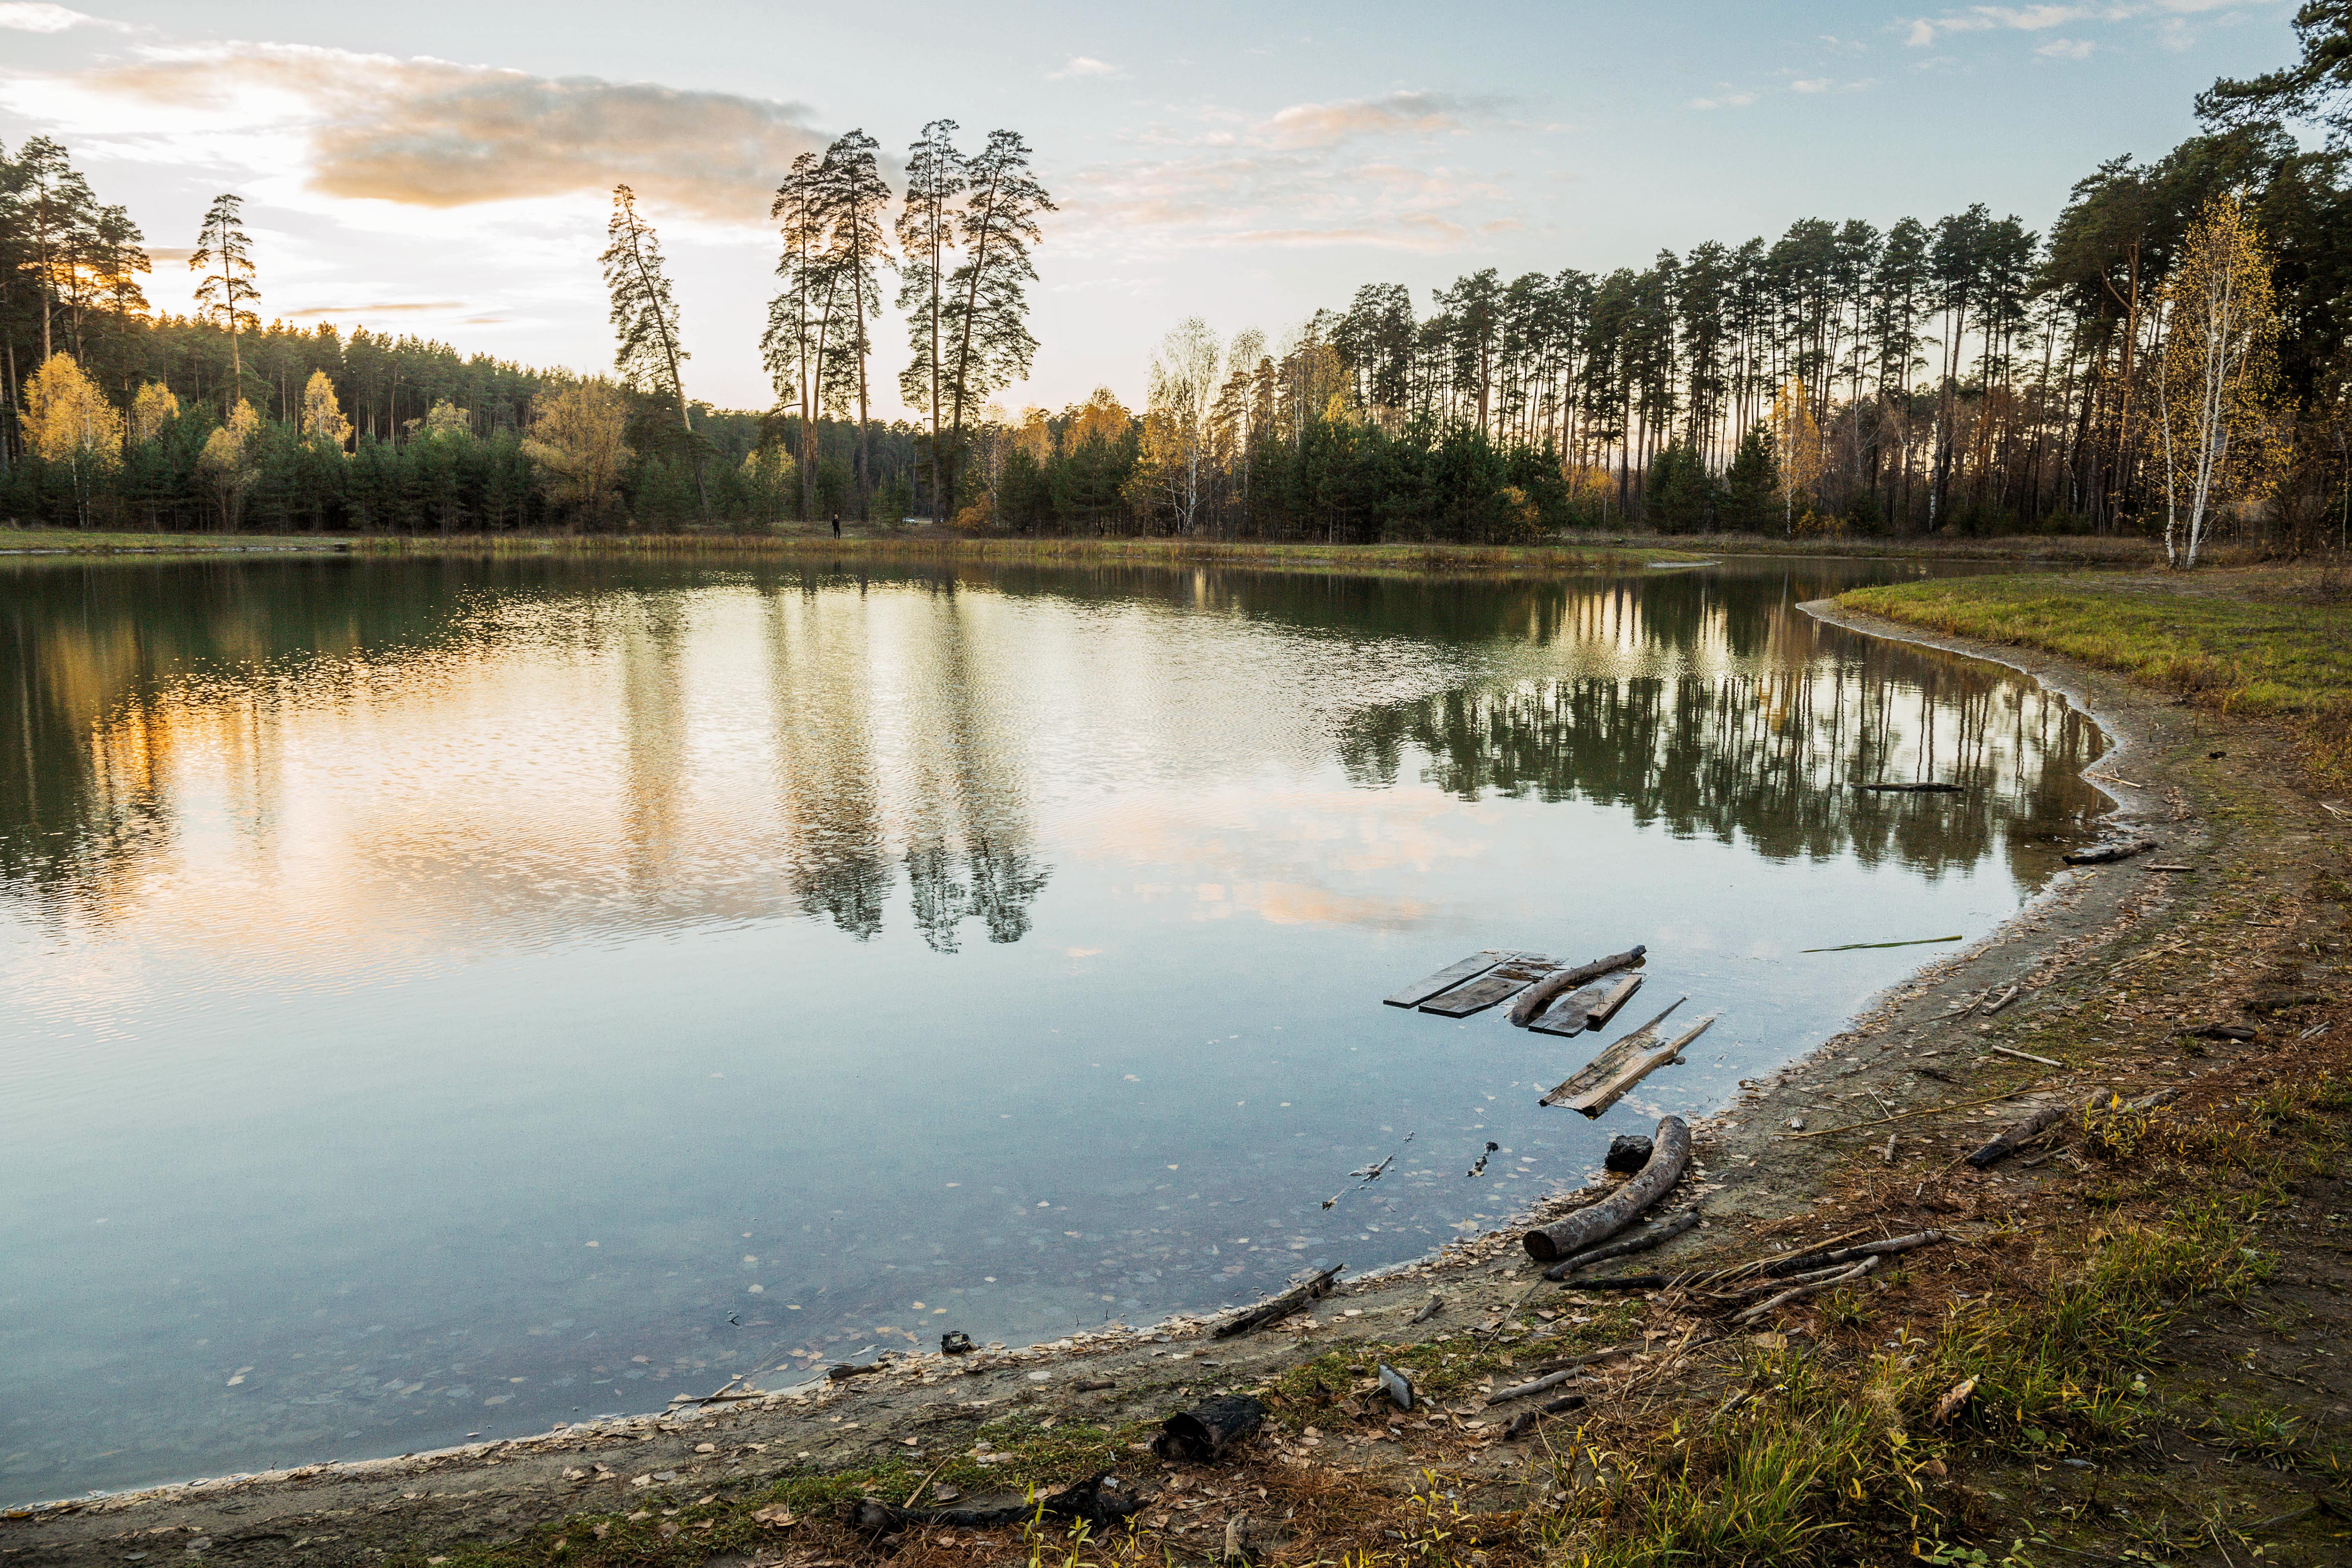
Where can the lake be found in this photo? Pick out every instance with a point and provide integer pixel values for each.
(456, 996)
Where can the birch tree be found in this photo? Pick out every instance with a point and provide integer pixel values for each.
(68, 423)
(1176, 434)
(935, 177)
(2214, 422)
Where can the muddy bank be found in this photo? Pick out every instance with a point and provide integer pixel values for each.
(1927, 1045)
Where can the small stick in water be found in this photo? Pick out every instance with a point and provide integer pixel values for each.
(1857, 946)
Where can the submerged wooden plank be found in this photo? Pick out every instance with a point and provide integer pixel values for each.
(1600, 1068)
(1600, 1096)
(1589, 1008)
(1500, 983)
(1445, 979)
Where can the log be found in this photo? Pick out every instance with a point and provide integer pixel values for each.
(1277, 1308)
(1445, 979)
(1100, 1499)
(1533, 1385)
(1594, 1101)
(2016, 1136)
(1627, 1283)
(1781, 1269)
(2109, 853)
(1429, 1309)
(1201, 1435)
(1600, 1068)
(1666, 1230)
(1596, 1223)
(1500, 983)
(1539, 995)
(1861, 1271)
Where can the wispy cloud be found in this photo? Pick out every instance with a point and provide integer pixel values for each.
(1921, 32)
(1083, 65)
(432, 133)
(1328, 124)
(2067, 49)
(388, 308)
(1812, 84)
(1735, 100)
(25, 16)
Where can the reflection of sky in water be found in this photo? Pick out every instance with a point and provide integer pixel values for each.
(441, 995)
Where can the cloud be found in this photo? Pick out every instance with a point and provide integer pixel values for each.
(408, 307)
(432, 133)
(23, 16)
(1921, 32)
(2067, 49)
(1083, 65)
(170, 255)
(1812, 84)
(1262, 196)
(1725, 100)
(1328, 124)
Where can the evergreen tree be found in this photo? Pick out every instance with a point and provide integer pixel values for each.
(223, 260)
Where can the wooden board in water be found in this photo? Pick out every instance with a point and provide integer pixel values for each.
(1605, 1066)
(1500, 983)
(1589, 1008)
(1445, 979)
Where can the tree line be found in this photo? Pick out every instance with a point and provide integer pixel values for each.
(2171, 356)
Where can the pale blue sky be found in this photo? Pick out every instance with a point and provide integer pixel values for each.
(442, 168)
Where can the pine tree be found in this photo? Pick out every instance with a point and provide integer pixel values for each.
(988, 301)
(851, 195)
(646, 317)
(935, 177)
(224, 259)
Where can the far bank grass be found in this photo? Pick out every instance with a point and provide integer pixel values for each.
(2269, 642)
(1576, 556)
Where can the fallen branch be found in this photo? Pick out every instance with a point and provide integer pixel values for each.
(1277, 1308)
(1845, 1255)
(1527, 1418)
(2023, 1056)
(1536, 998)
(2011, 1139)
(1907, 1115)
(1669, 1153)
(1533, 1385)
(1657, 1235)
(2108, 854)
(1859, 1271)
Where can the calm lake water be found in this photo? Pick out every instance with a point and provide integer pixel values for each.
(449, 997)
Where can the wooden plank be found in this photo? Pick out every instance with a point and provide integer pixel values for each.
(1539, 996)
(1445, 979)
(1500, 983)
(1589, 1008)
(1600, 1068)
(1594, 1101)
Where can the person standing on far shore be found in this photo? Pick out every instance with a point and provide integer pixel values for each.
(837, 525)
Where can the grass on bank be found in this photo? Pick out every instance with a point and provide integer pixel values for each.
(2270, 642)
(1575, 555)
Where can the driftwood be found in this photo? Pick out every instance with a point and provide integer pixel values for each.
(2107, 854)
(1998, 999)
(2239, 1033)
(1275, 1309)
(2023, 1056)
(1098, 1500)
(1201, 1435)
(1536, 998)
(1598, 1222)
(1533, 1385)
(2016, 1136)
(843, 1370)
(1429, 1309)
(1861, 1271)
(1446, 979)
(1628, 1282)
(1589, 1008)
(1594, 1100)
(1500, 983)
(1600, 1068)
(1785, 1267)
(1910, 788)
(1527, 1418)
(1666, 1230)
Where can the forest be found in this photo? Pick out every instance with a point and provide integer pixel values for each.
(2170, 357)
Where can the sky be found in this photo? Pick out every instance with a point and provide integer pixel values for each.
(445, 169)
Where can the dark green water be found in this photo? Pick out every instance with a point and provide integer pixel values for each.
(441, 995)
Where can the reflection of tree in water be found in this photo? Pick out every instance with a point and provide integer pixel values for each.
(1771, 758)
(1001, 884)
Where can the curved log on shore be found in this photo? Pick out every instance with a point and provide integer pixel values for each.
(1669, 1153)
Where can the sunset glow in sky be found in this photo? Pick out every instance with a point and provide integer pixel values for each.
(443, 169)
